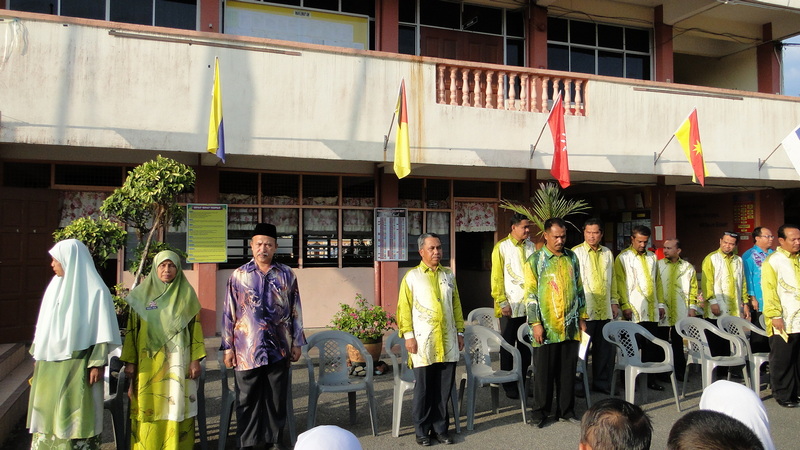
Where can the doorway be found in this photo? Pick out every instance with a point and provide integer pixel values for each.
(474, 269)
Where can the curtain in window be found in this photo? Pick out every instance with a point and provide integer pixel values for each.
(357, 220)
(76, 204)
(475, 216)
(415, 223)
(320, 220)
(238, 199)
(242, 218)
(285, 219)
(439, 222)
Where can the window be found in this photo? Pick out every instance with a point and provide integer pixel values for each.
(598, 49)
(163, 13)
(429, 209)
(322, 220)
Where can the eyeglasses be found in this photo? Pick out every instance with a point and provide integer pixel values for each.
(732, 234)
(768, 236)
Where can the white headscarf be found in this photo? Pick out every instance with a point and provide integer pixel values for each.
(741, 403)
(329, 437)
(76, 311)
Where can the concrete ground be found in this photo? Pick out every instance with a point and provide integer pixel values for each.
(504, 430)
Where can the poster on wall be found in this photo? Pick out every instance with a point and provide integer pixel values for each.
(744, 215)
(296, 25)
(206, 233)
(391, 234)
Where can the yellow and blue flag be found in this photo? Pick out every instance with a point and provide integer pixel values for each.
(216, 132)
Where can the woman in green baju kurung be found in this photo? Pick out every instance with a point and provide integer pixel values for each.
(162, 351)
(76, 329)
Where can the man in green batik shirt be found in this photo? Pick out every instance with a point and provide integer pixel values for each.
(556, 313)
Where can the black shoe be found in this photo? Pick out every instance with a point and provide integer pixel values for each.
(655, 387)
(443, 438)
(513, 395)
(540, 422)
(601, 390)
(424, 441)
(571, 420)
(789, 404)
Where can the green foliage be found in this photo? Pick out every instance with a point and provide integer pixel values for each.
(102, 237)
(154, 249)
(548, 202)
(364, 320)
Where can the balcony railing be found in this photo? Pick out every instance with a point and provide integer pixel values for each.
(514, 90)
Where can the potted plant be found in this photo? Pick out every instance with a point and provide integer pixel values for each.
(365, 321)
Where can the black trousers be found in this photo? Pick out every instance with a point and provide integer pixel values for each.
(758, 343)
(431, 394)
(261, 403)
(719, 347)
(602, 355)
(650, 351)
(784, 370)
(677, 351)
(510, 325)
(554, 367)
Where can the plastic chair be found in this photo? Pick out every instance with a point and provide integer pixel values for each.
(404, 380)
(623, 335)
(333, 374)
(477, 341)
(228, 401)
(693, 329)
(739, 327)
(485, 317)
(114, 403)
(583, 352)
(524, 336)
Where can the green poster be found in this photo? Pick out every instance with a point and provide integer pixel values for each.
(207, 233)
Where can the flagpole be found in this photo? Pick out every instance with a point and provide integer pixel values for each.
(386, 136)
(533, 147)
(657, 156)
(761, 163)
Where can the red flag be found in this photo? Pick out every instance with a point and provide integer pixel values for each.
(560, 167)
(688, 135)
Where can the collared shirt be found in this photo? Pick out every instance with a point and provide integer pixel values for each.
(597, 270)
(780, 279)
(677, 289)
(724, 283)
(508, 280)
(261, 318)
(429, 310)
(555, 295)
(753, 259)
(634, 284)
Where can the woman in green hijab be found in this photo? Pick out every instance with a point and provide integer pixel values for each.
(162, 352)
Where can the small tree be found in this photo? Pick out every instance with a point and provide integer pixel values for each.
(101, 236)
(148, 201)
(548, 202)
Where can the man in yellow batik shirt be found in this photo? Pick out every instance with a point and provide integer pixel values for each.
(725, 291)
(780, 284)
(597, 269)
(429, 317)
(508, 291)
(634, 290)
(677, 291)
(556, 314)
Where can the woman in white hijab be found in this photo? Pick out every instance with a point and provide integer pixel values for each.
(76, 329)
(741, 403)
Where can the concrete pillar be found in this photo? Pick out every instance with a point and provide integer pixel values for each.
(387, 22)
(662, 214)
(769, 68)
(207, 191)
(664, 61)
(537, 37)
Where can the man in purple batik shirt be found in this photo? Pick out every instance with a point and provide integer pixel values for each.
(262, 332)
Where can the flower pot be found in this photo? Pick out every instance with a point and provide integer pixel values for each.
(373, 347)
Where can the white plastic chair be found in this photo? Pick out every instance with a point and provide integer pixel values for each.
(524, 336)
(477, 341)
(113, 402)
(622, 334)
(739, 327)
(404, 380)
(485, 317)
(693, 330)
(583, 351)
(333, 375)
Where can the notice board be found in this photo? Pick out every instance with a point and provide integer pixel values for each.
(206, 233)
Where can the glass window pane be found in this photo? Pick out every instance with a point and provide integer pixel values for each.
(472, 188)
(511, 191)
(286, 2)
(280, 189)
(320, 190)
(407, 40)
(482, 19)
(286, 221)
(132, 11)
(515, 52)
(610, 63)
(73, 174)
(365, 7)
(557, 29)
(35, 6)
(176, 14)
(515, 23)
(358, 191)
(439, 13)
(87, 9)
(439, 223)
(29, 175)
(582, 60)
(558, 57)
(610, 36)
(238, 187)
(637, 40)
(410, 194)
(437, 194)
(408, 11)
(330, 5)
(637, 67)
(582, 33)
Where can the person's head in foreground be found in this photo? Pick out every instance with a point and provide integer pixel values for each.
(329, 437)
(613, 423)
(741, 403)
(711, 430)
